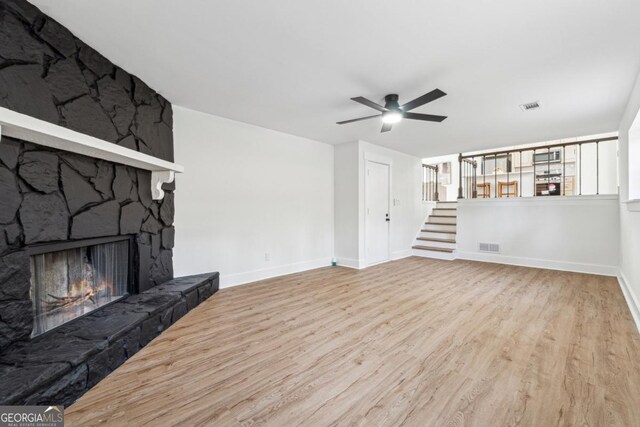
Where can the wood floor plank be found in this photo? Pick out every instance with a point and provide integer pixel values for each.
(410, 342)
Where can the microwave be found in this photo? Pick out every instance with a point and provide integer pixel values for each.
(549, 156)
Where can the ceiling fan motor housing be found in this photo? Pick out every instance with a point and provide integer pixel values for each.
(391, 102)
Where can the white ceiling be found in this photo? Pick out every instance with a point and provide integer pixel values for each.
(292, 65)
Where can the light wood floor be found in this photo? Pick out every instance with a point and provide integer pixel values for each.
(412, 342)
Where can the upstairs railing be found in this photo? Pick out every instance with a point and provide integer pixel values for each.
(430, 183)
(467, 187)
(565, 169)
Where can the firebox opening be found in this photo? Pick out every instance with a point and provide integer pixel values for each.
(72, 279)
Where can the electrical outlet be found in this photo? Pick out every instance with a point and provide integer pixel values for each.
(266, 256)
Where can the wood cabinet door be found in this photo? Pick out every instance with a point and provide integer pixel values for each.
(569, 186)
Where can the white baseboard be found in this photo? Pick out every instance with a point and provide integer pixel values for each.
(350, 263)
(401, 254)
(229, 280)
(603, 270)
(445, 256)
(630, 297)
(359, 264)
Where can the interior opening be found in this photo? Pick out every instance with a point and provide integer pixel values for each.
(69, 283)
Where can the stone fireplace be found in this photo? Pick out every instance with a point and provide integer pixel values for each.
(85, 240)
(60, 207)
(54, 197)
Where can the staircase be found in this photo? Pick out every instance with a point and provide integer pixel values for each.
(437, 238)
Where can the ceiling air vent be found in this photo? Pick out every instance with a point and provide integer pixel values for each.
(530, 106)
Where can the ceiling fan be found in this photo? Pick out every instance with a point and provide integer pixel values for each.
(392, 112)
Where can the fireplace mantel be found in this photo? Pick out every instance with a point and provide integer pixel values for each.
(27, 128)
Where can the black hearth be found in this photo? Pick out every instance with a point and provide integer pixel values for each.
(72, 279)
(59, 366)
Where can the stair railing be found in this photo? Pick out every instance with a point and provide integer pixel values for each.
(467, 186)
(544, 170)
(430, 182)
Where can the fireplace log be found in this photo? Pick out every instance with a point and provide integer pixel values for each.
(60, 302)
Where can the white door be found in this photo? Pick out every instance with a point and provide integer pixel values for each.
(377, 212)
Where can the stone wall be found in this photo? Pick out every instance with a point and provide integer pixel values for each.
(48, 195)
(49, 74)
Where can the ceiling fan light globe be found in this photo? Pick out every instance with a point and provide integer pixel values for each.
(391, 117)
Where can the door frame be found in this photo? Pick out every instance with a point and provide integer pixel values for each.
(376, 158)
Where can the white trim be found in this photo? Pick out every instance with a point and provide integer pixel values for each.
(425, 253)
(633, 205)
(350, 263)
(158, 178)
(378, 263)
(229, 280)
(374, 157)
(401, 254)
(541, 200)
(630, 297)
(383, 160)
(604, 270)
(27, 128)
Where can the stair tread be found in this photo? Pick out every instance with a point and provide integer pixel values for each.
(435, 239)
(432, 248)
(444, 216)
(441, 223)
(445, 209)
(438, 231)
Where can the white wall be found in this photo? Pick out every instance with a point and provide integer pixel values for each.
(346, 178)
(578, 233)
(630, 212)
(407, 210)
(633, 155)
(249, 191)
(246, 192)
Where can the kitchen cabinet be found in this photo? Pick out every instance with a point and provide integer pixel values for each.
(527, 158)
(497, 164)
(570, 153)
(569, 186)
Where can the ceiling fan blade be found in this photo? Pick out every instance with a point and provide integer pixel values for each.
(357, 120)
(427, 97)
(386, 127)
(371, 104)
(425, 117)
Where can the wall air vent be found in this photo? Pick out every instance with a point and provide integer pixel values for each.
(530, 106)
(489, 247)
